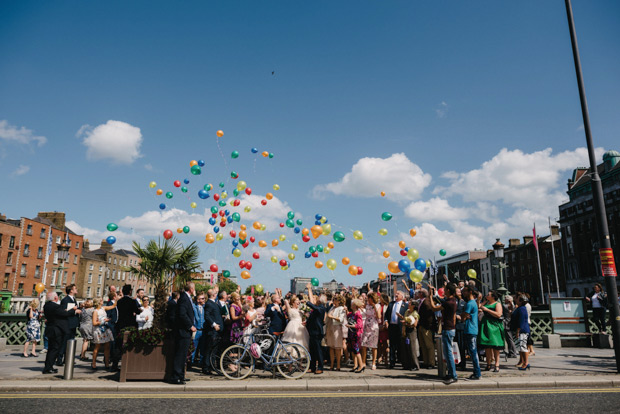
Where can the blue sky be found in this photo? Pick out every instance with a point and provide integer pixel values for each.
(466, 114)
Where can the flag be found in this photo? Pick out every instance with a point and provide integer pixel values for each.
(535, 239)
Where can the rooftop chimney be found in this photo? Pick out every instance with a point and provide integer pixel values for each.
(56, 217)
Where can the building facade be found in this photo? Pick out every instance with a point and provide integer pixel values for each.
(298, 285)
(579, 229)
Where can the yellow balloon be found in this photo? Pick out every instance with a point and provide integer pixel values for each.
(327, 250)
(274, 259)
(393, 267)
(241, 185)
(236, 252)
(386, 254)
(357, 235)
(345, 261)
(413, 255)
(284, 267)
(152, 184)
(325, 229)
(323, 220)
(262, 243)
(382, 275)
(416, 276)
(193, 204)
(247, 209)
(295, 247)
(402, 244)
(331, 264)
(353, 270)
(282, 237)
(263, 227)
(219, 236)
(318, 264)
(291, 256)
(276, 187)
(224, 195)
(383, 232)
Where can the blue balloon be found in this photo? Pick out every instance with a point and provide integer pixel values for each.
(254, 150)
(216, 229)
(162, 206)
(420, 264)
(297, 230)
(308, 255)
(201, 163)
(186, 181)
(111, 239)
(405, 266)
(407, 249)
(318, 217)
(203, 194)
(235, 243)
(229, 219)
(212, 221)
(226, 212)
(318, 222)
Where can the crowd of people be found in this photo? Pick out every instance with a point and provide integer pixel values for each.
(348, 328)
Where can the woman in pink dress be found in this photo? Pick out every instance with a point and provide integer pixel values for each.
(370, 337)
(383, 332)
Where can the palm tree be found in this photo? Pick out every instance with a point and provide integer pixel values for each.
(165, 265)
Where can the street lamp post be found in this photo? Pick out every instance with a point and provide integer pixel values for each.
(63, 255)
(498, 249)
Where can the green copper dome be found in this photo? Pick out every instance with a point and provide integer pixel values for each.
(612, 157)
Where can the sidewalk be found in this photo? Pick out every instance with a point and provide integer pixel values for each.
(567, 367)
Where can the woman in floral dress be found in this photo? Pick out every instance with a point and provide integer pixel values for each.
(354, 339)
(370, 337)
(237, 317)
(33, 328)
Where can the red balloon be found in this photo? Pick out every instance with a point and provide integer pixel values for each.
(223, 223)
(403, 252)
(360, 270)
(263, 202)
(256, 255)
(233, 234)
(213, 268)
(222, 212)
(246, 244)
(214, 215)
(282, 262)
(168, 234)
(177, 183)
(252, 239)
(236, 203)
(248, 191)
(216, 197)
(315, 254)
(281, 224)
(242, 263)
(306, 238)
(248, 265)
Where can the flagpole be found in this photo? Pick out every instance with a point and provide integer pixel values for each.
(542, 289)
(555, 266)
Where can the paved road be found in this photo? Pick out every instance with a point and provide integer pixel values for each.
(565, 400)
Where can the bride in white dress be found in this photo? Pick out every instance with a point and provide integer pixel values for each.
(295, 330)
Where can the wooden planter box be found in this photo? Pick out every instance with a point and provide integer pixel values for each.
(149, 362)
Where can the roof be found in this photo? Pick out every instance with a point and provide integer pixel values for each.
(92, 256)
(50, 223)
(125, 252)
(586, 178)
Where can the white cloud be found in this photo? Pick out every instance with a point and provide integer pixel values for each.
(148, 167)
(94, 236)
(396, 175)
(115, 140)
(442, 110)
(369, 255)
(22, 135)
(429, 239)
(21, 170)
(436, 209)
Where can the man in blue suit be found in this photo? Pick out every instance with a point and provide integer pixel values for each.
(212, 330)
(199, 320)
(274, 312)
(314, 325)
(183, 328)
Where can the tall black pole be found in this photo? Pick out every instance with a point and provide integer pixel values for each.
(605, 251)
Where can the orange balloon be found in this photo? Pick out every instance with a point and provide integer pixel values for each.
(353, 270)
(245, 274)
(243, 235)
(316, 231)
(220, 133)
(243, 227)
(160, 192)
(268, 196)
(386, 254)
(192, 163)
(402, 244)
(262, 243)
(382, 275)
(382, 193)
(265, 154)
(274, 242)
(305, 232)
(318, 264)
(412, 232)
(393, 267)
(345, 261)
(179, 230)
(210, 238)
(256, 225)
(330, 245)
(40, 287)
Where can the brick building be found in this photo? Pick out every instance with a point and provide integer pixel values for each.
(29, 253)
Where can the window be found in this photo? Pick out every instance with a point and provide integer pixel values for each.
(0, 239)
(26, 250)
(40, 253)
(75, 259)
(123, 275)
(125, 263)
(100, 268)
(114, 275)
(12, 242)
(20, 288)
(23, 272)
(64, 279)
(9, 258)
(42, 235)
(37, 272)
(56, 257)
(109, 260)
(88, 292)
(115, 260)
(77, 244)
(99, 279)
(29, 230)
(34, 290)
(98, 291)
(73, 277)
(5, 283)
(53, 278)
(57, 239)
(91, 266)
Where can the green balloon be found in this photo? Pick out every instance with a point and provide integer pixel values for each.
(236, 217)
(225, 273)
(442, 252)
(312, 249)
(290, 223)
(235, 192)
(186, 229)
(112, 226)
(271, 155)
(315, 281)
(290, 215)
(184, 189)
(196, 170)
(319, 248)
(169, 194)
(299, 222)
(222, 203)
(222, 184)
(235, 154)
(233, 174)
(214, 210)
(339, 236)
(386, 216)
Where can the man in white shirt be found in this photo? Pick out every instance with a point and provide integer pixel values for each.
(394, 325)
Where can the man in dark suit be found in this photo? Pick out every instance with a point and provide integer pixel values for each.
(314, 325)
(56, 329)
(127, 310)
(425, 329)
(171, 310)
(183, 328)
(275, 314)
(112, 315)
(395, 326)
(211, 330)
(73, 322)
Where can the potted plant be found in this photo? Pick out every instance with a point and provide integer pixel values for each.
(147, 354)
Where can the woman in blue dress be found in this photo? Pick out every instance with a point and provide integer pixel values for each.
(33, 328)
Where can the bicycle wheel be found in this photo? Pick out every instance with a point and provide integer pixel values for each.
(293, 361)
(215, 361)
(236, 362)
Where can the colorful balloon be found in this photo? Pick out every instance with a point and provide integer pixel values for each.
(386, 216)
(241, 185)
(382, 275)
(39, 288)
(353, 270)
(413, 232)
(234, 154)
(442, 252)
(331, 264)
(386, 254)
(357, 235)
(112, 227)
(326, 229)
(245, 274)
(472, 273)
(345, 261)
(276, 187)
(159, 191)
(402, 244)
(196, 170)
(110, 239)
(213, 268)
(383, 232)
(152, 184)
(393, 267)
(225, 273)
(413, 255)
(186, 229)
(339, 236)
(404, 266)
(168, 234)
(416, 276)
(177, 183)
(192, 163)
(314, 281)
(318, 264)
(316, 231)
(169, 195)
(236, 252)
(291, 256)
(420, 264)
(219, 133)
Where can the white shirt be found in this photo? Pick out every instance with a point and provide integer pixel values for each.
(395, 312)
(141, 319)
(596, 303)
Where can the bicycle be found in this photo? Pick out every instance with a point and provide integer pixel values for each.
(291, 360)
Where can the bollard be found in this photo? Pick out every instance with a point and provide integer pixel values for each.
(441, 364)
(70, 358)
